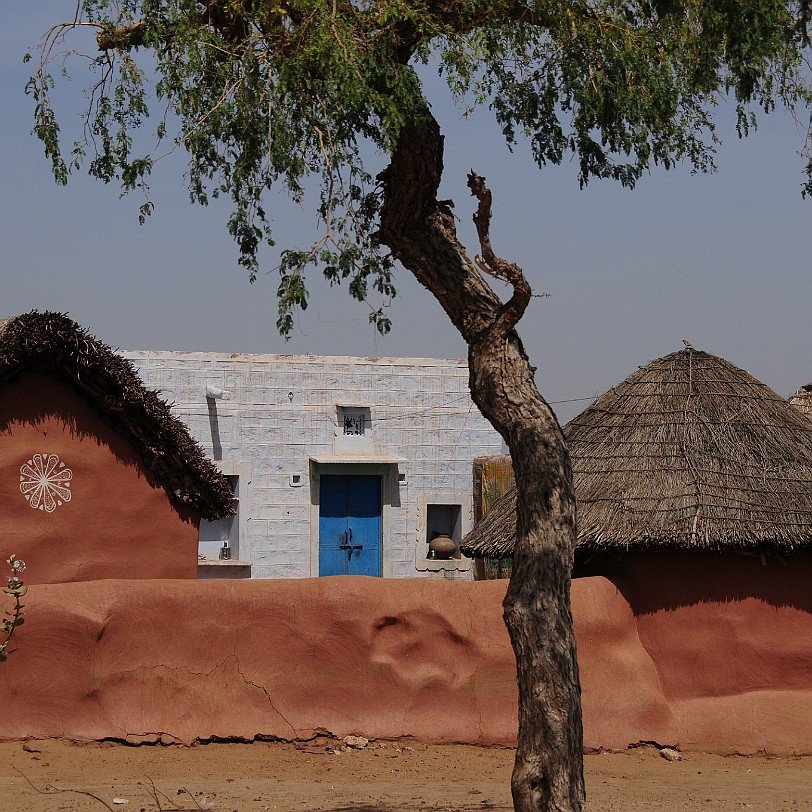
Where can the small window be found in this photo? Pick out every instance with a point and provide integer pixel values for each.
(354, 421)
(220, 539)
(443, 520)
(353, 431)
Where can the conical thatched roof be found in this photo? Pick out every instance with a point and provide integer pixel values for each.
(110, 383)
(802, 400)
(688, 452)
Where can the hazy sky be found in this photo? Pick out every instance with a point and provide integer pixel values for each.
(720, 260)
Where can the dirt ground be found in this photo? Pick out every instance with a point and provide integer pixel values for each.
(46, 776)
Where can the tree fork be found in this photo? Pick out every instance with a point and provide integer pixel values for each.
(420, 231)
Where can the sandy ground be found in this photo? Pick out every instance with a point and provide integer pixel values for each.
(45, 776)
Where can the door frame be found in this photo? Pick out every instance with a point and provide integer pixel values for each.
(383, 470)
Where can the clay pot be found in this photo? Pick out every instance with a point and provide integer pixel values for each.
(442, 546)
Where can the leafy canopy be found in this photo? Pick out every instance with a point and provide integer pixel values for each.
(266, 93)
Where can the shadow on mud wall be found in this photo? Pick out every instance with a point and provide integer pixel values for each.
(657, 580)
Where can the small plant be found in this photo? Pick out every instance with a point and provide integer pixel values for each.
(13, 617)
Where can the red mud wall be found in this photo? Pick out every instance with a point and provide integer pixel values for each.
(100, 513)
(731, 638)
(187, 660)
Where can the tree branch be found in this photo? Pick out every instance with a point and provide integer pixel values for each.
(421, 232)
(233, 24)
(492, 265)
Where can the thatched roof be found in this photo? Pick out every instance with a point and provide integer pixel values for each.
(802, 400)
(688, 452)
(53, 342)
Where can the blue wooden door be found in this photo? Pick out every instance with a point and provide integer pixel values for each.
(350, 525)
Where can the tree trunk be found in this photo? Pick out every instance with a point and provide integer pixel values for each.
(420, 231)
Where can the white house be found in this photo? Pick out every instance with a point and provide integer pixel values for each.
(338, 465)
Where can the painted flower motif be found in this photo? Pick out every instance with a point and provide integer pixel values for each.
(45, 482)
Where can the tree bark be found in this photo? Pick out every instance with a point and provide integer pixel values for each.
(420, 231)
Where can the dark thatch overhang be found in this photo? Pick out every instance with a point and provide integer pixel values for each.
(689, 452)
(52, 342)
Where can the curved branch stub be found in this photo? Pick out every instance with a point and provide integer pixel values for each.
(489, 263)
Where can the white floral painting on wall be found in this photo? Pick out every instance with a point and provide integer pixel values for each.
(45, 482)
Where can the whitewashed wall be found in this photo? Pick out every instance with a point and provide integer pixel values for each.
(272, 421)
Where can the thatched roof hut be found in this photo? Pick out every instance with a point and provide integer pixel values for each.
(53, 343)
(689, 452)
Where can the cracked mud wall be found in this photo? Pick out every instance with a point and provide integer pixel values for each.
(206, 659)
(200, 660)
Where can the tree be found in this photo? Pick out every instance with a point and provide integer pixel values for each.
(269, 92)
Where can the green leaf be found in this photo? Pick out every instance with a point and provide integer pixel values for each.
(302, 95)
